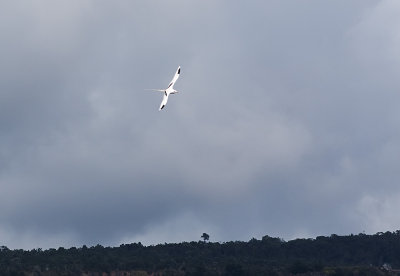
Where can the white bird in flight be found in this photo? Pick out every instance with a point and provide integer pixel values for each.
(170, 89)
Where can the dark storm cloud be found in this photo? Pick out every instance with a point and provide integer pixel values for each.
(286, 123)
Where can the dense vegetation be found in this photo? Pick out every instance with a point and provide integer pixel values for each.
(335, 255)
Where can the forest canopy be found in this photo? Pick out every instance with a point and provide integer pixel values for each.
(378, 252)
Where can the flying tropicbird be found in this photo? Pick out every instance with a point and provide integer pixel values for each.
(169, 90)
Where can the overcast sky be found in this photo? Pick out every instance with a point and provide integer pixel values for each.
(287, 120)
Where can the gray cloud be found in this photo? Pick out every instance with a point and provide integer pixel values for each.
(286, 123)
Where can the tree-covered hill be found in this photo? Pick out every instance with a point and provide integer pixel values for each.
(360, 254)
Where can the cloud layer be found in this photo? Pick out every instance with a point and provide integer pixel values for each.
(286, 124)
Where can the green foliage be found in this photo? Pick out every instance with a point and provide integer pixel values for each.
(334, 255)
(299, 267)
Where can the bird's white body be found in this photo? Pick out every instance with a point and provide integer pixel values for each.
(169, 90)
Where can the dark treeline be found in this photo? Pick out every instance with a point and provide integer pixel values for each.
(360, 254)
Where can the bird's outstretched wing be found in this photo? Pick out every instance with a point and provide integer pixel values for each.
(176, 76)
(164, 101)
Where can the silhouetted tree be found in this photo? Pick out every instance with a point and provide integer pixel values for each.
(205, 237)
